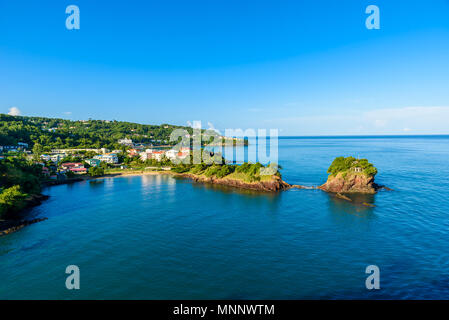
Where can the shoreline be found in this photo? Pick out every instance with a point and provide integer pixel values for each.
(274, 185)
(8, 226)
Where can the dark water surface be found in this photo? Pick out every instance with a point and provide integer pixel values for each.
(157, 237)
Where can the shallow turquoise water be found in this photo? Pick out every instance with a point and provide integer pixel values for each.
(157, 237)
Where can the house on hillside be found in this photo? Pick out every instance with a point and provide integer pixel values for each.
(75, 167)
(171, 154)
(79, 170)
(133, 152)
(57, 157)
(174, 154)
(45, 157)
(158, 155)
(126, 142)
(152, 154)
(70, 165)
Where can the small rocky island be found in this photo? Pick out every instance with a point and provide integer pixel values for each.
(351, 175)
(252, 176)
(269, 183)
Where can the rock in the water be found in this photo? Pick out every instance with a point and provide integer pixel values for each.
(11, 226)
(275, 184)
(351, 182)
(340, 196)
(368, 204)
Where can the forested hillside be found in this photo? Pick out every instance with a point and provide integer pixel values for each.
(60, 133)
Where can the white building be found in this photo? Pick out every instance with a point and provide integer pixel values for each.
(108, 158)
(152, 154)
(171, 154)
(126, 142)
(174, 154)
(57, 157)
(45, 157)
(144, 156)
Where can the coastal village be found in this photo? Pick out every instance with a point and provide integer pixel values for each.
(60, 164)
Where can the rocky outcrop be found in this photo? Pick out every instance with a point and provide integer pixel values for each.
(353, 182)
(10, 226)
(35, 200)
(273, 185)
(14, 220)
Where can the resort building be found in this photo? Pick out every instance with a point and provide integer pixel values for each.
(79, 170)
(158, 155)
(152, 154)
(70, 165)
(75, 167)
(181, 154)
(144, 156)
(93, 162)
(133, 152)
(171, 154)
(57, 157)
(108, 158)
(45, 157)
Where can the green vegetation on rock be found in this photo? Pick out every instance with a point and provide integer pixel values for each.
(247, 172)
(350, 164)
(18, 179)
(11, 200)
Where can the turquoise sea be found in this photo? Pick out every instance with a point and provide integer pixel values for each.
(157, 237)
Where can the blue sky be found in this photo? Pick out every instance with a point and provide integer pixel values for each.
(303, 67)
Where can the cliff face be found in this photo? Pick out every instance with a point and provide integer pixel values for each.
(350, 183)
(275, 184)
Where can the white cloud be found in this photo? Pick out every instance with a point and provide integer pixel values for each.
(14, 111)
(68, 113)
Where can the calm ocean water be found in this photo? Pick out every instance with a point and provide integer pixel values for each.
(157, 237)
